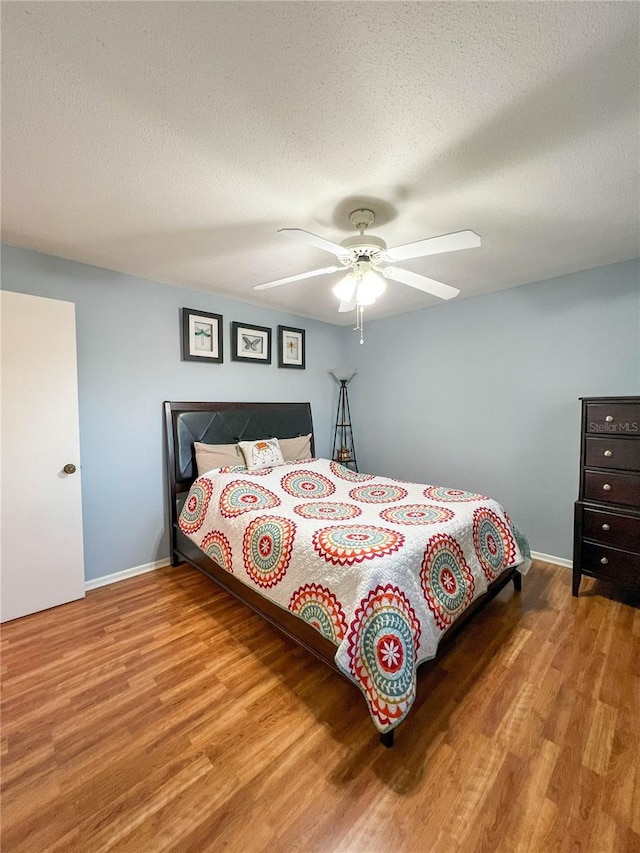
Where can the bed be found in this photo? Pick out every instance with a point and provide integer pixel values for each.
(367, 573)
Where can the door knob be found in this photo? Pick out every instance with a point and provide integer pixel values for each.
(69, 468)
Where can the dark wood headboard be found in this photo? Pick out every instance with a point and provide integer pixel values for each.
(222, 423)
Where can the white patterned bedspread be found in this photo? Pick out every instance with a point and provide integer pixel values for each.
(378, 566)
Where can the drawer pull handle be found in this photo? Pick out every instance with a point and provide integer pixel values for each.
(604, 561)
(606, 527)
(608, 453)
(607, 487)
(609, 418)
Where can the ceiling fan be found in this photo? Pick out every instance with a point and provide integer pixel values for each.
(366, 257)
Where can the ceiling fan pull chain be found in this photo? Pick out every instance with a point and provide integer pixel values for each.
(359, 326)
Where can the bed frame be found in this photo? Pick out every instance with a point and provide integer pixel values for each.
(228, 423)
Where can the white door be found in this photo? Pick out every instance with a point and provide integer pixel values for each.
(42, 562)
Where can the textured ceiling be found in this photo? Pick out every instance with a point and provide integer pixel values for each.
(171, 140)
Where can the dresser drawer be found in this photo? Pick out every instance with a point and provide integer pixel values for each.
(612, 488)
(618, 531)
(611, 564)
(616, 453)
(613, 418)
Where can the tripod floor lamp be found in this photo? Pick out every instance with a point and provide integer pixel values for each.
(343, 448)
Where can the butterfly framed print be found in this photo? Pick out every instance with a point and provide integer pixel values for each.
(201, 336)
(250, 343)
(291, 347)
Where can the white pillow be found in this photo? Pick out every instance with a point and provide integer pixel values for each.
(264, 453)
(296, 448)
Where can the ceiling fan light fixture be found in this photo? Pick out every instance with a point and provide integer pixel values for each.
(345, 289)
(370, 287)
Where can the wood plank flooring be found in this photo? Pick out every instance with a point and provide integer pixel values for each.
(160, 715)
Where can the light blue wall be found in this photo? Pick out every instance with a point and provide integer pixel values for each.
(129, 361)
(482, 394)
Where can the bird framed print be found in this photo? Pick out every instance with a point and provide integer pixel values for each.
(201, 336)
(250, 343)
(291, 347)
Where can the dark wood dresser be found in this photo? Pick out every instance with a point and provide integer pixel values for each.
(607, 512)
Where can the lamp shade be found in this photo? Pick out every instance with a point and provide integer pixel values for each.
(343, 374)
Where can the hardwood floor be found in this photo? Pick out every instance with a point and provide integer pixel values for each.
(158, 714)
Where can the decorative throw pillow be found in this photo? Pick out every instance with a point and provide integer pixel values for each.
(264, 453)
(210, 456)
(296, 448)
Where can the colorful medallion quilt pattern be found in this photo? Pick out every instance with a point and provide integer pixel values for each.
(380, 569)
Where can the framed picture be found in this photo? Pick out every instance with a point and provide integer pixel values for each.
(201, 336)
(291, 347)
(250, 343)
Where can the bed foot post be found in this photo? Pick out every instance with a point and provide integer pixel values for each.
(386, 739)
(517, 581)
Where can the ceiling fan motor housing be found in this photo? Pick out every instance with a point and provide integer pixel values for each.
(363, 247)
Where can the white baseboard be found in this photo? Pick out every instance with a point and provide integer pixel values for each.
(549, 558)
(127, 573)
(105, 580)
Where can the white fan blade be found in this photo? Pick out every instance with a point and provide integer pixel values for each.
(434, 246)
(346, 306)
(421, 282)
(302, 275)
(314, 240)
